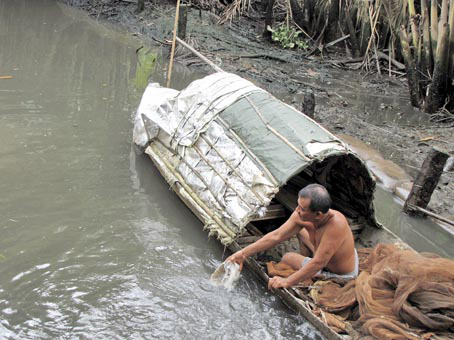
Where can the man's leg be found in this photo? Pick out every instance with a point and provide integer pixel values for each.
(306, 246)
(294, 260)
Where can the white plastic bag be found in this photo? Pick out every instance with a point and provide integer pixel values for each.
(227, 275)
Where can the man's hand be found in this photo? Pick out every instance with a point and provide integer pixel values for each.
(238, 257)
(278, 282)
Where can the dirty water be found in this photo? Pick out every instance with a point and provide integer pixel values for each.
(94, 244)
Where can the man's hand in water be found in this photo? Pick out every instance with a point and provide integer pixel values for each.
(238, 257)
(278, 282)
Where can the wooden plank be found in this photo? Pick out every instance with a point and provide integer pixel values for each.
(253, 229)
(273, 211)
(300, 182)
(287, 199)
(245, 240)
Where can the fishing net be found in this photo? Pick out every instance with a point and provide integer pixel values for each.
(399, 294)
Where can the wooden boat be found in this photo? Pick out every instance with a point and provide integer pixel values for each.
(237, 157)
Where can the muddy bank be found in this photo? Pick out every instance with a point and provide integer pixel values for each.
(370, 107)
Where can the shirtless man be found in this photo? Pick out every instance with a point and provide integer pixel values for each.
(323, 233)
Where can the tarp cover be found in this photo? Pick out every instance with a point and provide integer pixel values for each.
(312, 140)
(232, 142)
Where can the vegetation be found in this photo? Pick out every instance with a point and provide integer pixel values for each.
(419, 34)
(145, 67)
(287, 37)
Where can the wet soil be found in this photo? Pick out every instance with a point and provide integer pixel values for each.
(373, 107)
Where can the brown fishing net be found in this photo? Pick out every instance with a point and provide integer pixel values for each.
(399, 294)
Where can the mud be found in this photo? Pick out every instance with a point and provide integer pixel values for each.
(371, 107)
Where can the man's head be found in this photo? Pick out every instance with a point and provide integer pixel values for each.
(314, 202)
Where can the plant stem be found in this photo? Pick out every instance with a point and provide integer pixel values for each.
(437, 90)
(412, 75)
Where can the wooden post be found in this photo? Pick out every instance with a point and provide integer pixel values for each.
(426, 181)
(140, 6)
(172, 51)
(308, 106)
(268, 20)
(182, 21)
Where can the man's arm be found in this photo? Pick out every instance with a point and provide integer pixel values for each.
(328, 246)
(284, 232)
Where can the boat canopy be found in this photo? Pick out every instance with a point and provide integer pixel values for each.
(231, 147)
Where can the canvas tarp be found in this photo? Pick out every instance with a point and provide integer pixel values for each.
(232, 142)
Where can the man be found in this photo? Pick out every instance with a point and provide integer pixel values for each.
(323, 233)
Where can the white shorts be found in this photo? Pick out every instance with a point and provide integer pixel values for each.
(327, 274)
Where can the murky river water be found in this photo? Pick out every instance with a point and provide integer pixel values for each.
(93, 243)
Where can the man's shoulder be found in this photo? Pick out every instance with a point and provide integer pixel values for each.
(339, 216)
(339, 221)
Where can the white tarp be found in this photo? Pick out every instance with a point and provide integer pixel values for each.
(212, 163)
(183, 115)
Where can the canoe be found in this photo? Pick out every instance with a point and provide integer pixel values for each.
(237, 156)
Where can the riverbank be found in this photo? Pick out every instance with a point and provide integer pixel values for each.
(373, 108)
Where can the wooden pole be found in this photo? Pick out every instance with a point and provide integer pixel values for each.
(437, 89)
(352, 32)
(451, 40)
(182, 21)
(426, 38)
(426, 181)
(431, 214)
(308, 106)
(140, 6)
(434, 25)
(198, 54)
(412, 75)
(268, 19)
(172, 52)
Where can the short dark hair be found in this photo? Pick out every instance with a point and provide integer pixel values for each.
(319, 196)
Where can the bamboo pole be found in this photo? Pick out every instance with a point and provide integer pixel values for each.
(426, 37)
(257, 161)
(352, 31)
(230, 165)
(226, 182)
(451, 40)
(190, 192)
(414, 29)
(268, 174)
(437, 89)
(194, 171)
(373, 17)
(412, 76)
(172, 52)
(431, 214)
(201, 56)
(275, 132)
(434, 25)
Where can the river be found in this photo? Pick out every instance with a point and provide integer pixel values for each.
(94, 244)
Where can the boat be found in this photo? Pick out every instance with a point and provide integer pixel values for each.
(237, 157)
